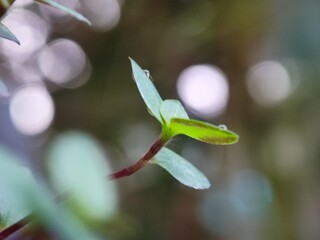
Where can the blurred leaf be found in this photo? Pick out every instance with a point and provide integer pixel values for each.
(5, 33)
(58, 219)
(20, 195)
(78, 166)
(203, 131)
(181, 169)
(172, 109)
(65, 9)
(7, 3)
(147, 90)
(16, 183)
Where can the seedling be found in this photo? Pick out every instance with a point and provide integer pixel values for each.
(65, 177)
(174, 121)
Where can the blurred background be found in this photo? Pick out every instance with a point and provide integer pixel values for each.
(251, 65)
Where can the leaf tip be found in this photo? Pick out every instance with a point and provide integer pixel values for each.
(234, 138)
(132, 61)
(70, 11)
(237, 137)
(82, 18)
(204, 186)
(87, 21)
(7, 34)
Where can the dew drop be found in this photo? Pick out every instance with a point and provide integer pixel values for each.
(147, 72)
(223, 127)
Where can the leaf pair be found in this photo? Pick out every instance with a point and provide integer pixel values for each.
(7, 34)
(174, 120)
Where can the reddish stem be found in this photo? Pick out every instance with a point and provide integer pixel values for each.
(26, 220)
(154, 149)
(15, 227)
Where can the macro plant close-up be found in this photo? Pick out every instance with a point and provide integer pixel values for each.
(174, 121)
(221, 144)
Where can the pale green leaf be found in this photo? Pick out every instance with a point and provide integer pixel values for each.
(7, 34)
(78, 166)
(21, 195)
(181, 169)
(147, 90)
(57, 218)
(6, 3)
(65, 9)
(16, 183)
(172, 109)
(202, 131)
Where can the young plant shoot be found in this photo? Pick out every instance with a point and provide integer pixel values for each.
(174, 121)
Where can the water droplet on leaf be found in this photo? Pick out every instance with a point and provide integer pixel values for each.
(223, 127)
(147, 72)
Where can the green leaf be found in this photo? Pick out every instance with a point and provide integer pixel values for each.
(65, 9)
(58, 219)
(16, 183)
(181, 169)
(172, 109)
(147, 90)
(21, 195)
(7, 3)
(202, 131)
(5, 33)
(78, 166)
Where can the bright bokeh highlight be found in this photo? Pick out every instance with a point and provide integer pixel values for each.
(21, 3)
(64, 63)
(31, 110)
(57, 15)
(103, 14)
(268, 83)
(24, 73)
(204, 89)
(31, 30)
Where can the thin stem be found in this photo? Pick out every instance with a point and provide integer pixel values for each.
(153, 150)
(161, 141)
(15, 227)
(7, 232)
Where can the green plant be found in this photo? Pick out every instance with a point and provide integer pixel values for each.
(174, 121)
(36, 201)
(5, 4)
(24, 200)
